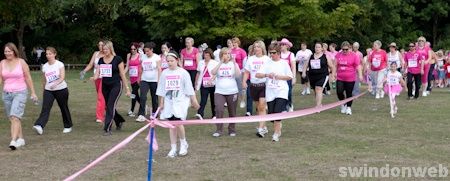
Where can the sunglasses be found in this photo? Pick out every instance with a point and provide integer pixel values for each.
(411, 46)
(345, 49)
(273, 53)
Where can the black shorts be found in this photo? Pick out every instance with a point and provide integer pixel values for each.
(257, 91)
(278, 105)
(173, 118)
(304, 80)
(317, 80)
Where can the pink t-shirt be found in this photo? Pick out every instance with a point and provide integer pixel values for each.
(239, 54)
(331, 55)
(378, 60)
(14, 81)
(133, 69)
(347, 65)
(288, 57)
(413, 61)
(190, 59)
(423, 51)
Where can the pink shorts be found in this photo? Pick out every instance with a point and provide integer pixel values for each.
(396, 89)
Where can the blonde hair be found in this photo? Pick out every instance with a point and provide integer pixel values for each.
(378, 42)
(421, 38)
(109, 45)
(190, 39)
(51, 49)
(223, 51)
(13, 48)
(260, 44)
(236, 39)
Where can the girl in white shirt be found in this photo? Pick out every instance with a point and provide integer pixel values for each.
(55, 87)
(175, 93)
(226, 89)
(277, 73)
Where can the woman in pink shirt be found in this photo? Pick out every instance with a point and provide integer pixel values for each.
(16, 79)
(427, 53)
(133, 69)
(378, 63)
(347, 65)
(189, 58)
(239, 54)
(414, 64)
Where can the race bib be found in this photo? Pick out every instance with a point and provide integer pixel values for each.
(173, 82)
(393, 80)
(273, 84)
(412, 63)
(207, 82)
(315, 63)
(188, 62)
(133, 71)
(256, 66)
(105, 70)
(51, 76)
(225, 72)
(376, 62)
(164, 65)
(147, 66)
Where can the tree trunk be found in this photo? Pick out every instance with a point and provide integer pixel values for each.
(19, 35)
(435, 29)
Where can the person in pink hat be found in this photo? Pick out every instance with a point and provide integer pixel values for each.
(289, 57)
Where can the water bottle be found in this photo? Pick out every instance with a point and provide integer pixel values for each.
(36, 102)
(132, 96)
(333, 85)
(82, 74)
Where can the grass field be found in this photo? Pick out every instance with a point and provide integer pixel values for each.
(311, 147)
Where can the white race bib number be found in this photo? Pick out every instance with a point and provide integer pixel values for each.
(51, 76)
(225, 72)
(105, 70)
(173, 82)
(207, 82)
(273, 84)
(393, 80)
(315, 63)
(376, 62)
(133, 71)
(256, 66)
(147, 66)
(412, 63)
(188, 62)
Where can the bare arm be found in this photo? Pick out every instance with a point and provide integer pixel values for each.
(123, 77)
(332, 67)
(216, 69)
(158, 67)
(90, 65)
(237, 71)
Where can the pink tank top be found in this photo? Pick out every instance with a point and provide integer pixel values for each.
(14, 81)
(190, 59)
(133, 70)
(287, 59)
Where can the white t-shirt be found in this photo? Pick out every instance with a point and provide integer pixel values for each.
(225, 79)
(393, 78)
(253, 64)
(202, 78)
(216, 55)
(276, 88)
(176, 88)
(149, 68)
(301, 57)
(52, 73)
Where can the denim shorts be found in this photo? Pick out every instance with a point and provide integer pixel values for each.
(15, 103)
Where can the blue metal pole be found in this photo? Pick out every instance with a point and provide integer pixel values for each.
(150, 154)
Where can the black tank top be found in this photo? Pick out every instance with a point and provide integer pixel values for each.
(318, 66)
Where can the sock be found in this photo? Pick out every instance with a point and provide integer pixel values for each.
(173, 146)
(183, 141)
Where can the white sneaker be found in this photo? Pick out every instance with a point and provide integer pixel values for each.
(183, 149)
(414, 92)
(20, 142)
(343, 109)
(99, 121)
(424, 94)
(348, 111)
(382, 94)
(172, 153)
(141, 119)
(198, 116)
(328, 92)
(38, 129)
(275, 137)
(248, 114)
(232, 134)
(377, 96)
(216, 134)
(304, 92)
(131, 114)
(291, 108)
(13, 145)
(242, 105)
(261, 132)
(428, 92)
(214, 117)
(226, 105)
(67, 130)
(308, 91)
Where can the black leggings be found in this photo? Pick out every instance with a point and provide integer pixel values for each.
(145, 86)
(192, 73)
(205, 92)
(430, 76)
(62, 97)
(417, 82)
(135, 91)
(342, 86)
(112, 93)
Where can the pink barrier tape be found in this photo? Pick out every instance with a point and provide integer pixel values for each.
(172, 124)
